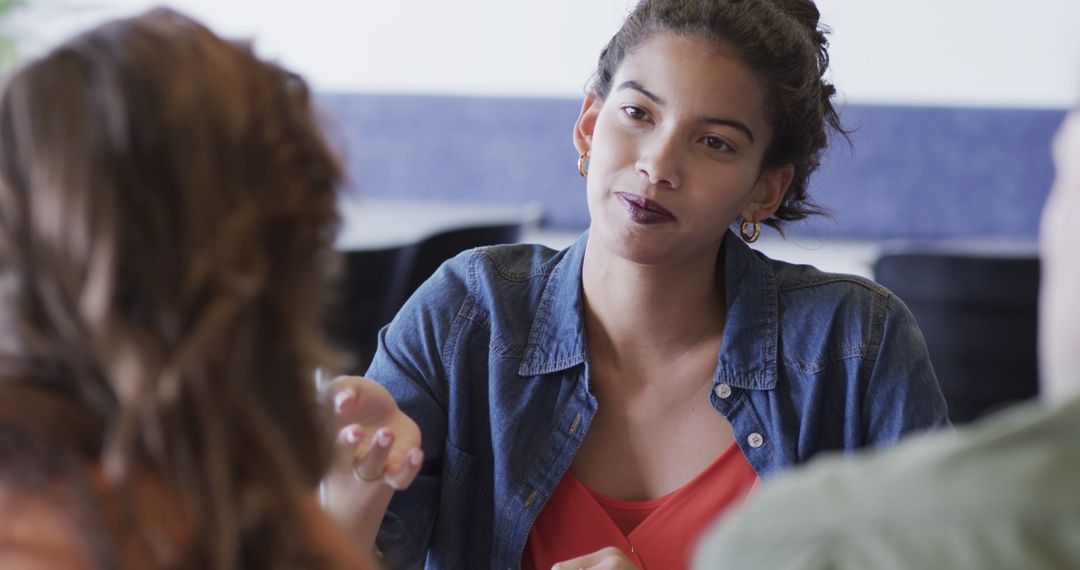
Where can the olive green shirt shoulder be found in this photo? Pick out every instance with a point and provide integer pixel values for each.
(1003, 493)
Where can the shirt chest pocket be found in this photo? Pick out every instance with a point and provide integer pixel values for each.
(465, 474)
(466, 510)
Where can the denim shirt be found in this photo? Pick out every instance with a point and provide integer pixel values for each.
(490, 358)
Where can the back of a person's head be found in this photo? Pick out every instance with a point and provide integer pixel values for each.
(1059, 304)
(166, 202)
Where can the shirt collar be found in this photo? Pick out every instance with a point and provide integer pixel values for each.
(557, 338)
(747, 356)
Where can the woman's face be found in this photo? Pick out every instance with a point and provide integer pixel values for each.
(676, 151)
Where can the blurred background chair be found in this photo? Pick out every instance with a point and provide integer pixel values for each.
(367, 294)
(976, 304)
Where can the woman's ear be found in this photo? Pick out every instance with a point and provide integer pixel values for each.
(769, 191)
(586, 123)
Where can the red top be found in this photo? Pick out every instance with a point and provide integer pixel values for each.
(659, 533)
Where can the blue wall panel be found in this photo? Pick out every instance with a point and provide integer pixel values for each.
(913, 172)
(926, 173)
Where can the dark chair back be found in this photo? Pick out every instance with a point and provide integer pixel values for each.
(977, 308)
(433, 250)
(368, 293)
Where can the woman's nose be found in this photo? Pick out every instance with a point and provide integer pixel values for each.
(659, 160)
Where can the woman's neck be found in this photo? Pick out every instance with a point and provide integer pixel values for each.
(632, 310)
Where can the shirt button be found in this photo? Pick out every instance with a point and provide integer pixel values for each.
(722, 391)
(575, 424)
(755, 440)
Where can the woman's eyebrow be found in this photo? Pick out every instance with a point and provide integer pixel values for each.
(739, 125)
(641, 89)
(730, 123)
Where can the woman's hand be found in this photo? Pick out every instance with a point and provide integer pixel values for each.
(381, 453)
(384, 442)
(610, 558)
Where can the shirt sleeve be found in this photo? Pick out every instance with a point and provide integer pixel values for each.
(903, 394)
(408, 362)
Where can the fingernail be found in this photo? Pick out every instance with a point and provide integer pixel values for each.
(344, 399)
(353, 434)
(416, 457)
(383, 438)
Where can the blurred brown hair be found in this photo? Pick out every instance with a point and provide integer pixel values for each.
(166, 204)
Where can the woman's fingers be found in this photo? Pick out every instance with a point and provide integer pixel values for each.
(370, 460)
(351, 435)
(403, 476)
(374, 461)
(341, 385)
(345, 400)
(355, 399)
(343, 395)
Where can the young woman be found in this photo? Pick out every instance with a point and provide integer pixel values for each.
(166, 204)
(605, 402)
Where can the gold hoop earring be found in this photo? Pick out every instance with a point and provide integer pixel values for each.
(747, 236)
(582, 167)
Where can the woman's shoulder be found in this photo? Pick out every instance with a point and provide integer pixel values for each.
(58, 509)
(512, 262)
(792, 277)
(802, 285)
(511, 272)
(500, 289)
(857, 307)
(52, 483)
(480, 285)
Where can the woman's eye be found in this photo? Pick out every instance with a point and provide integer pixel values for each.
(717, 143)
(636, 113)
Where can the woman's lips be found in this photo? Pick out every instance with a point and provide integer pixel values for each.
(643, 210)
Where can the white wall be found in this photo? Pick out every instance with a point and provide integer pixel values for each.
(953, 52)
(982, 52)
